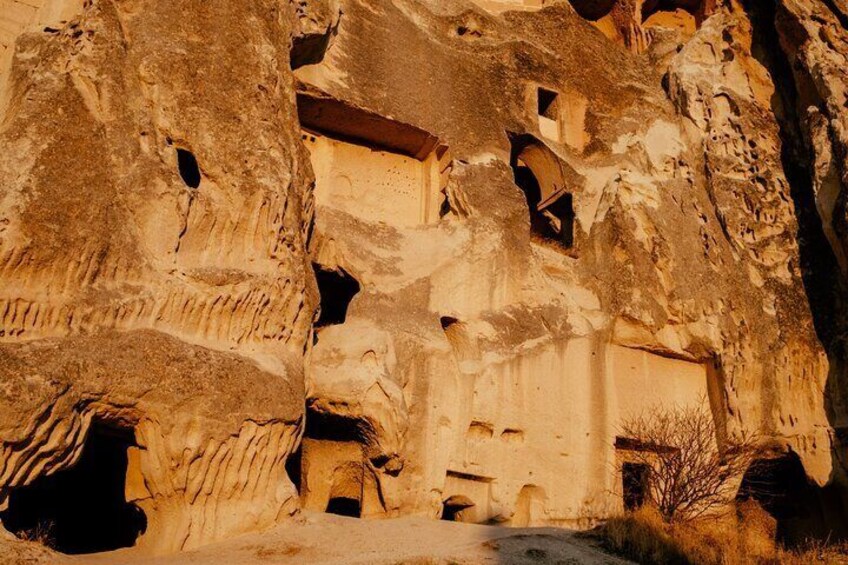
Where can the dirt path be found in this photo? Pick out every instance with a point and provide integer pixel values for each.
(325, 539)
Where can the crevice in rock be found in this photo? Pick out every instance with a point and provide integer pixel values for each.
(839, 14)
(189, 169)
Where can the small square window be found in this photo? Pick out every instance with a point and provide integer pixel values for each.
(548, 104)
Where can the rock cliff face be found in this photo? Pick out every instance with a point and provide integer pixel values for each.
(156, 206)
(423, 257)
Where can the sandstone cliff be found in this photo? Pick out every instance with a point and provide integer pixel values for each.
(393, 257)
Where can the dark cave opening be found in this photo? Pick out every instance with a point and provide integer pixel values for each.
(593, 10)
(293, 467)
(344, 506)
(635, 480)
(453, 507)
(337, 289)
(82, 509)
(189, 169)
(782, 489)
(554, 222)
(332, 427)
(548, 102)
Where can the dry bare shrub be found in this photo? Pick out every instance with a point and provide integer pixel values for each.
(645, 537)
(816, 552)
(746, 539)
(42, 533)
(642, 536)
(690, 475)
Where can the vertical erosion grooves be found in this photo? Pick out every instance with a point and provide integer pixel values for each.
(197, 495)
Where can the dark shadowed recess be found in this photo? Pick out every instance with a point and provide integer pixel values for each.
(81, 509)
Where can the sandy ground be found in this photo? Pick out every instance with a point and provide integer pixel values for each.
(324, 539)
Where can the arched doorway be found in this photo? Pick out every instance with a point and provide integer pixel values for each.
(529, 507)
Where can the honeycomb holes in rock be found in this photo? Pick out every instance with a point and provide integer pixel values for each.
(81, 509)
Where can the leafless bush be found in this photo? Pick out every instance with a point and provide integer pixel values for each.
(690, 474)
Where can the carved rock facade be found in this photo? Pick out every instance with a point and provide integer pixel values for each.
(419, 257)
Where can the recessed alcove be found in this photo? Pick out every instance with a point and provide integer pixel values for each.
(467, 497)
(551, 206)
(81, 509)
(371, 167)
(780, 485)
(548, 109)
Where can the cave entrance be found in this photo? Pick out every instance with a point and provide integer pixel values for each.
(539, 175)
(346, 491)
(635, 479)
(454, 507)
(82, 509)
(189, 169)
(781, 487)
(343, 506)
(337, 289)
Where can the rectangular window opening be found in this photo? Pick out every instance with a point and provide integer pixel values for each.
(548, 104)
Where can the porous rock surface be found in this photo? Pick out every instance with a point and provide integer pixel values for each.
(470, 364)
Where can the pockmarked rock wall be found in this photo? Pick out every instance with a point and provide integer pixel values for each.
(382, 258)
(658, 263)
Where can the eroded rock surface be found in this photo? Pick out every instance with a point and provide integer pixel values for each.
(452, 244)
(155, 209)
